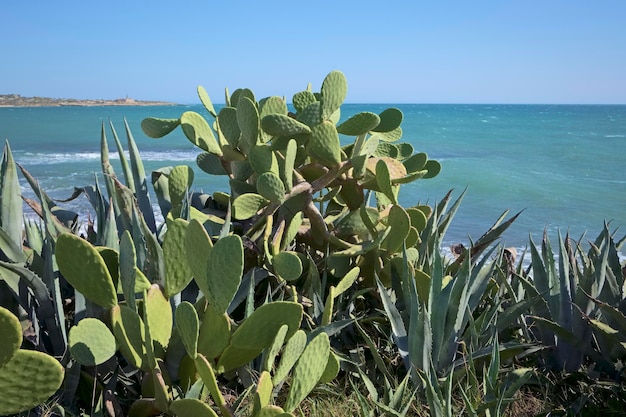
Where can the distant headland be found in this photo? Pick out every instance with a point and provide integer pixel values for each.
(15, 100)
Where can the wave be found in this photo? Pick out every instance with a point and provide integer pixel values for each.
(37, 158)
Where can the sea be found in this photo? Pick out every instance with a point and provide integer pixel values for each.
(562, 166)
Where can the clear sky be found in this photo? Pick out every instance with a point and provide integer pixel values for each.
(520, 51)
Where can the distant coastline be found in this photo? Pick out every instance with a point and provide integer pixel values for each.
(15, 100)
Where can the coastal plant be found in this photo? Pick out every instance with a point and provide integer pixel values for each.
(582, 301)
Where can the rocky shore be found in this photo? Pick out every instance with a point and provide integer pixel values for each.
(15, 100)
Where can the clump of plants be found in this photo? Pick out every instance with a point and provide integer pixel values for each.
(307, 271)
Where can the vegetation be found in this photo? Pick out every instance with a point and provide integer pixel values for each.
(307, 287)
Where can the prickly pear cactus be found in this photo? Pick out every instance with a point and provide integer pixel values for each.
(91, 342)
(27, 378)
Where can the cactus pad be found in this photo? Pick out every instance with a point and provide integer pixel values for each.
(283, 125)
(159, 316)
(214, 333)
(205, 370)
(258, 330)
(247, 205)
(332, 369)
(400, 224)
(177, 271)
(334, 90)
(287, 265)
(227, 122)
(129, 332)
(206, 101)
(416, 162)
(324, 144)
(191, 407)
(199, 132)
(91, 342)
(157, 128)
(11, 332)
(359, 124)
(390, 119)
(224, 272)
(83, 267)
(262, 159)
(347, 281)
(293, 349)
(210, 164)
(270, 186)
(248, 121)
(308, 370)
(27, 380)
(433, 168)
(188, 327)
(302, 100)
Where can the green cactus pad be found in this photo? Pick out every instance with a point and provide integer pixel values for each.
(249, 124)
(272, 352)
(292, 229)
(177, 271)
(412, 238)
(83, 267)
(129, 332)
(179, 184)
(224, 272)
(157, 128)
(242, 170)
(383, 180)
(211, 164)
(311, 115)
(290, 161)
(390, 119)
(233, 358)
(263, 393)
(11, 332)
(198, 245)
(159, 315)
(386, 149)
(270, 186)
(334, 91)
(329, 307)
(418, 218)
(400, 224)
(263, 159)
(405, 150)
(352, 224)
(272, 411)
(308, 370)
(416, 162)
(324, 144)
(258, 330)
(128, 268)
(208, 377)
(283, 125)
(433, 168)
(359, 124)
(199, 132)
(231, 154)
(91, 342)
(287, 265)
(422, 283)
(272, 105)
(239, 188)
(391, 136)
(293, 349)
(206, 101)
(302, 100)
(27, 380)
(247, 205)
(332, 369)
(227, 122)
(214, 333)
(347, 281)
(191, 407)
(188, 327)
(395, 167)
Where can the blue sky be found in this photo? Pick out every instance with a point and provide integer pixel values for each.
(532, 51)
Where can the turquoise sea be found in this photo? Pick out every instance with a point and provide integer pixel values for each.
(563, 165)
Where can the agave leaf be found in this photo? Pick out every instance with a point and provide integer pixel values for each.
(11, 212)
